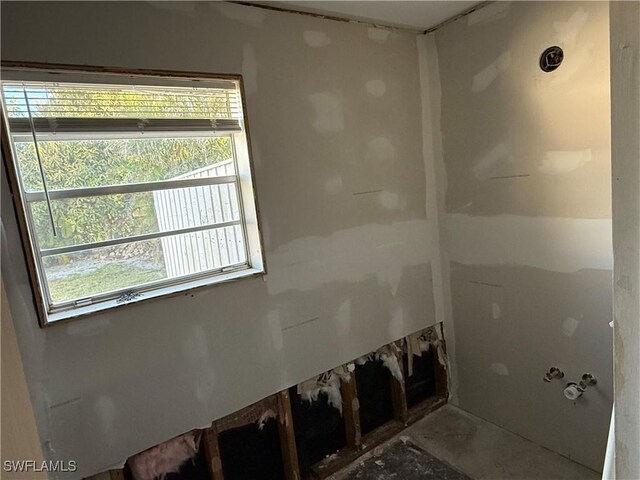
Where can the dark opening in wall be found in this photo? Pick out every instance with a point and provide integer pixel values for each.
(422, 384)
(319, 429)
(249, 452)
(373, 381)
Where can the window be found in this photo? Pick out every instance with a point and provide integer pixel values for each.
(129, 186)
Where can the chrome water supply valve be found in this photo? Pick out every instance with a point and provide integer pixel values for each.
(554, 372)
(574, 390)
(588, 380)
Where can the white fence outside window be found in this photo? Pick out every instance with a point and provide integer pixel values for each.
(191, 206)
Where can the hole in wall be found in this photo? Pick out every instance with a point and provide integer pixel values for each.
(551, 59)
(319, 429)
(373, 382)
(250, 452)
(422, 383)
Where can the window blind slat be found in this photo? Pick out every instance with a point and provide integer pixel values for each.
(101, 125)
(121, 101)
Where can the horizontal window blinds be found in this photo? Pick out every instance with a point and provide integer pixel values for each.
(81, 108)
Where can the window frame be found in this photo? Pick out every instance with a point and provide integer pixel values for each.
(244, 181)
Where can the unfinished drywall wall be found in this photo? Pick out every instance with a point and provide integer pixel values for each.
(625, 151)
(335, 127)
(20, 439)
(526, 225)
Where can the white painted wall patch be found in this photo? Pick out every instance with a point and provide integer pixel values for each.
(379, 35)
(377, 88)
(567, 32)
(565, 161)
(569, 326)
(391, 200)
(316, 39)
(380, 149)
(333, 185)
(486, 77)
(550, 243)
(500, 369)
(498, 154)
(327, 107)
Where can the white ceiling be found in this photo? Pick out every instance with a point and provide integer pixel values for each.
(416, 14)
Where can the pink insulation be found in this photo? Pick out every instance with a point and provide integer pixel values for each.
(165, 458)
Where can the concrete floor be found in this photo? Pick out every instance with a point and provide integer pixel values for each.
(481, 450)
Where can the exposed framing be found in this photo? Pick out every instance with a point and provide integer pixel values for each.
(281, 406)
(399, 394)
(212, 453)
(357, 445)
(351, 411)
(19, 207)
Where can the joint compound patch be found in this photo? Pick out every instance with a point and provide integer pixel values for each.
(327, 108)
(391, 200)
(379, 35)
(495, 157)
(569, 326)
(560, 162)
(377, 88)
(333, 185)
(380, 149)
(500, 369)
(486, 77)
(396, 322)
(316, 39)
(343, 318)
(567, 32)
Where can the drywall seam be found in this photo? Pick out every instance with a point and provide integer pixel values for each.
(550, 243)
(350, 255)
(435, 175)
(625, 155)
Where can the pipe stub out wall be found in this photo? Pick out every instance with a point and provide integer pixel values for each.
(551, 58)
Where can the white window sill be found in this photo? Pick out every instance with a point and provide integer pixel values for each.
(170, 291)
